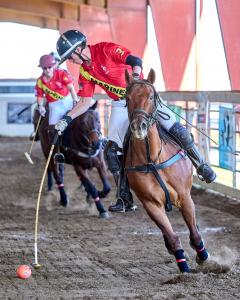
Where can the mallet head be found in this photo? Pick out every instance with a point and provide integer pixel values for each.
(28, 158)
(36, 265)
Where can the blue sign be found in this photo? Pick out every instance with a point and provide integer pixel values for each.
(226, 138)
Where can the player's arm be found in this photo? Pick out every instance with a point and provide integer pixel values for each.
(73, 93)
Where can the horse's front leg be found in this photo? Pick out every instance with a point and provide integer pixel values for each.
(172, 240)
(196, 242)
(58, 176)
(103, 174)
(91, 189)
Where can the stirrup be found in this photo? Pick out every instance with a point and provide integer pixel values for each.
(120, 206)
(206, 173)
(59, 158)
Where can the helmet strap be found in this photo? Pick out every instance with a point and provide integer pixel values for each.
(80, 56)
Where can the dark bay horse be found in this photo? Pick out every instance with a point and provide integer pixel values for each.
(158, 171)
(81, 146)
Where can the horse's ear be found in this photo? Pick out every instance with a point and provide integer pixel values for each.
(151, 76)
(127, 77)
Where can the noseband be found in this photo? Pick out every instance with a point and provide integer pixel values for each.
(86, 138)
(150, 118)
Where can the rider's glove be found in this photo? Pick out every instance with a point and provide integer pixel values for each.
(75, 103)
(62, 124)
(135, 76)
(42, 110)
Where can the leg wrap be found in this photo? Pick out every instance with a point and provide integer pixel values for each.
(181, 261)
(201, 251)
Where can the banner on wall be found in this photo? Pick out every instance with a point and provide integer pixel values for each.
(178, 110)
(226, 138)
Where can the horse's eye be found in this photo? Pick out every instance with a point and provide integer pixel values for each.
(151, 98)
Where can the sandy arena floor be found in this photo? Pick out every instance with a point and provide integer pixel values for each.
(124, 257)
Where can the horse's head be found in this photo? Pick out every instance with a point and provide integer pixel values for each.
(90, 137)
(141, 103)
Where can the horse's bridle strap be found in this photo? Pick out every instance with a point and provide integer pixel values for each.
(150, 118)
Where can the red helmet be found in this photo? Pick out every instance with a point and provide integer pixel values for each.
(46, 61)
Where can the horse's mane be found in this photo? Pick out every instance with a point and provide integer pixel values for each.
(165, 136)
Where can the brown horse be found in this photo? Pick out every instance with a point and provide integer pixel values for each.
(157, 169)
(81, 146)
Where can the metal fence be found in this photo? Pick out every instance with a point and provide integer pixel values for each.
(215, 114)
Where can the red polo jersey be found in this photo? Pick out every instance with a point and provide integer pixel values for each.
(54, 89)
(107, 70)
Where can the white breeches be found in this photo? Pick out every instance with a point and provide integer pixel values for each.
(59, 108)
(118, 123)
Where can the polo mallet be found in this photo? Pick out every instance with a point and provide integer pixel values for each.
(28, 154)
(36, 265)
(25, 108)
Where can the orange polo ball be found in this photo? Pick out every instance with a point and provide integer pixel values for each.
(24, 272)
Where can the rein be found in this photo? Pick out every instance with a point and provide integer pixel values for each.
(84, 154)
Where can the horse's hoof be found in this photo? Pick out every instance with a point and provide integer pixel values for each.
(104, 215)
(103, 194)
(59, 158)
(201, 262)
(64, 202)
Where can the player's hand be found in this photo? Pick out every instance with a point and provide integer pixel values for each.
(75, 103)
(42, 110)
(62, 124)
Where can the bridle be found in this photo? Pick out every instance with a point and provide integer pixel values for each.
(86, 144)
(150, 118)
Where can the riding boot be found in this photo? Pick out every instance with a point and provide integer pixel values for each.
(186, 141)
(124, 201)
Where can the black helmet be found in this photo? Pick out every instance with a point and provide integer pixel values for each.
(68, 42)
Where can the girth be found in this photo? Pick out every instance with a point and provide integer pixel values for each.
(146, 168)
